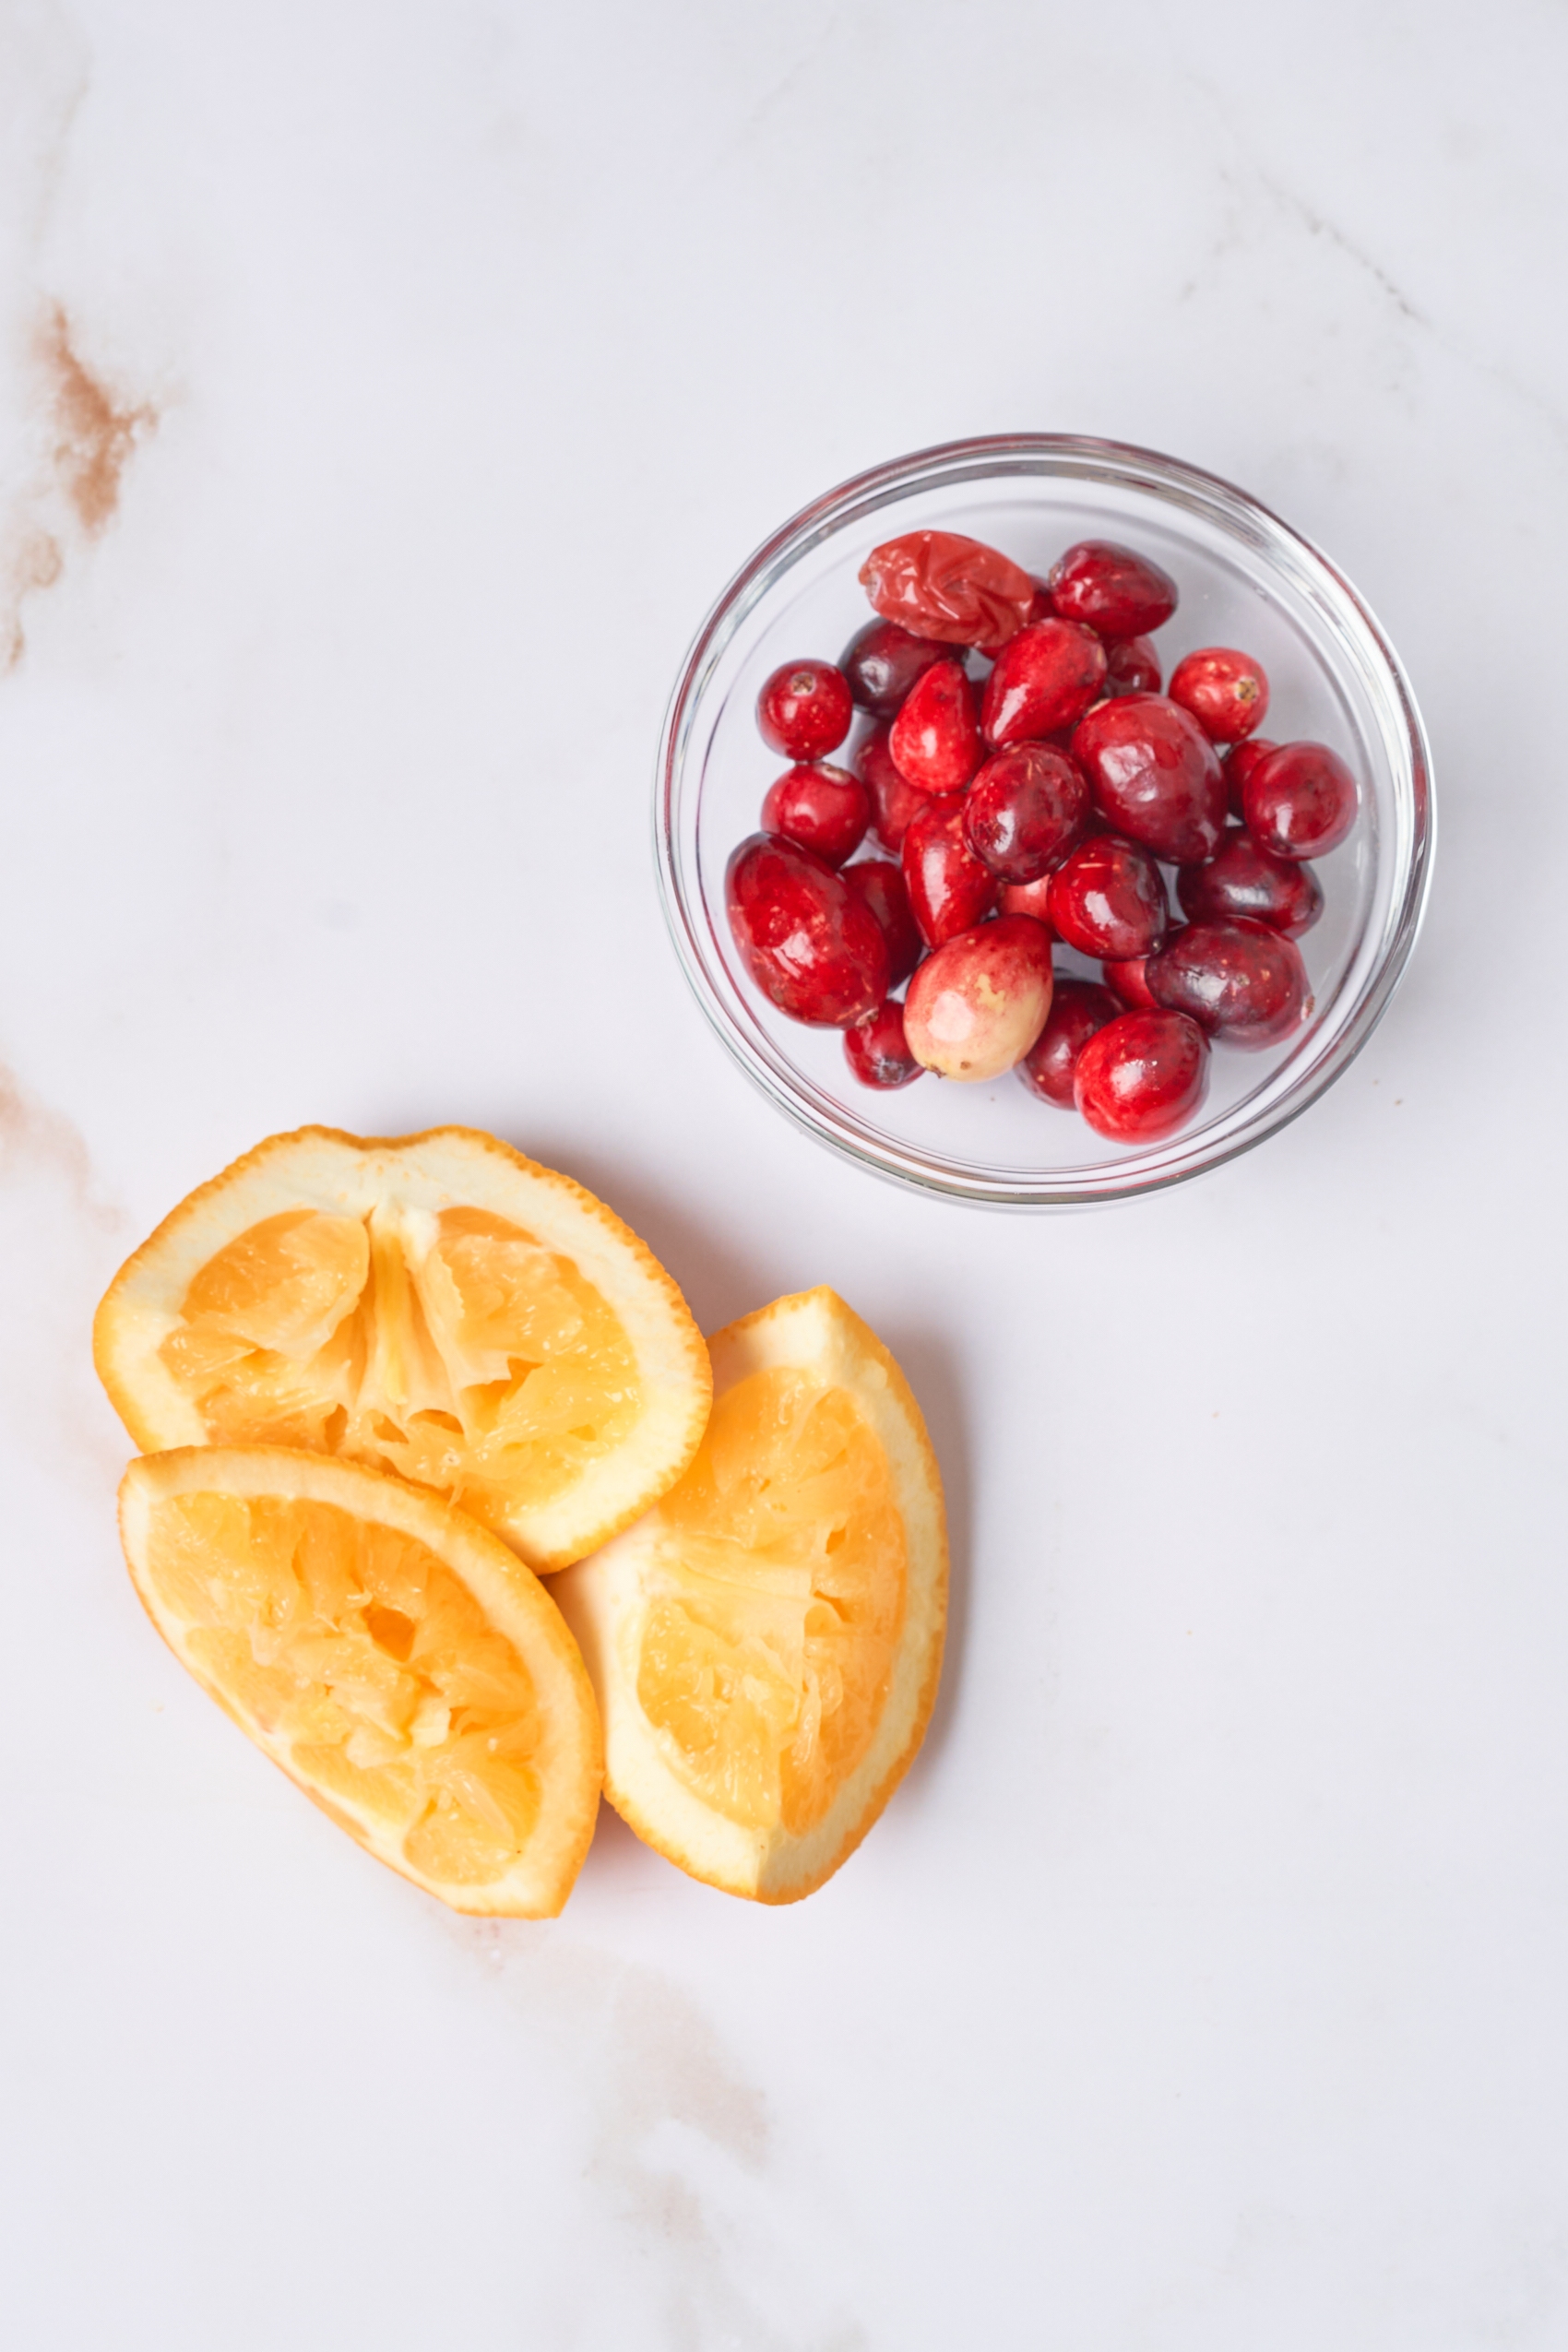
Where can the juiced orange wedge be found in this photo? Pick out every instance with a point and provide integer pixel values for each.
(765, 1641)
(436, 1305)
(396, 1660)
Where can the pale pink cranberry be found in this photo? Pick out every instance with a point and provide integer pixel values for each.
(979, 1002)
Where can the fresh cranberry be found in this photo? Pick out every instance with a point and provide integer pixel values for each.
(1131, 667)
(813, 947)
(1240, 980)
(1141, 1076)
(823, 808)
(1025, 810)
(1116, 591)
(1239, 764)
(1044, 680)
(805, 710)
(1026, 899)
(877, 1049)
(893, 799)
(940, 584)
(1077, 1009)
(1109, 900)
(1300, 802)
(1129, 980)
(976, 1005)
(935, 741)
(883, 662)
(1241, 879)
(1155, 774)
(949, 888)
(882, 887)
(1226, 692)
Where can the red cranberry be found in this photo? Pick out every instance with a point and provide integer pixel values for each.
(1025, 810)
(882, 887)
(1131, 667)
(813, 947)
(976, 1005)
(1155, 774)
(1240, 980)
(1044, 680)
(1141, 1076)
(943, 585)
(1239, 764)
(949, 889)
(1116, 591)
(883, 662)
(823, 808)
(1109, 900)
(1077, 1009)
(878, 1052)
(805, 710)
(1027, 899)
(893, 799)
(1129, 980)
(935, 741)
(1300, 802)
(1241, 879)
(1227, 692)
(1041, 605)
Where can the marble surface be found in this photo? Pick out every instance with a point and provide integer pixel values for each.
(384, 392)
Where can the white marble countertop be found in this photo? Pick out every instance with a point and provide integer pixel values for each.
(384, 392)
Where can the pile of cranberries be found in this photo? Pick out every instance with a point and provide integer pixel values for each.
(1028, 779)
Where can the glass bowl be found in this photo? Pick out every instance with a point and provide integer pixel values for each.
(1245, 579)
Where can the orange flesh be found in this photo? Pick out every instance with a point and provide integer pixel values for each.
(451, 1348)
(369, 1659)
(768, 1649)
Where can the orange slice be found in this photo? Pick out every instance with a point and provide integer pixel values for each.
(436, 1305)
(399, 1663)
(765, 1641)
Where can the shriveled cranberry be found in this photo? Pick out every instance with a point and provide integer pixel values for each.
(1077, 1009)
(804, 709)
(1226, 692)
(1131, 667)
(1027, 899)
(950, 890)
(882, 887)
(893, 799)
(1118, 592)
(813, 947)
(877, 1049)
(939, 583)
(1025, 810)
(1299, 801)
(823, 808)
(1155, 774)
(1129, 980)
(1243, 982)
(935, 739)
(1109, 898)
(1141, 1076)
(883, 662)
(1239, 764)
(1241, 879)
(1044, 680)
(976, 1005)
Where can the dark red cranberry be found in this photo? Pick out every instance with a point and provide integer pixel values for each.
(1044, 680)
(1109, 900)
(1077, 1009)
(935, 739)
(823, 808)
(805, 710)
(1131, 667)
(1026, 899)
(883, 663)
(1025, 810)
(1141, 1076)
(1299, 801)
(949, 889)
(893, 799)
(1129, 980)
(1041, 607)
(878, 1052)
(1241, 879)
(882, 887)
(1243, 982)
(1238, 765)
(1118, 592)
(1156, 775)
(813, 947)
(1226, 692)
